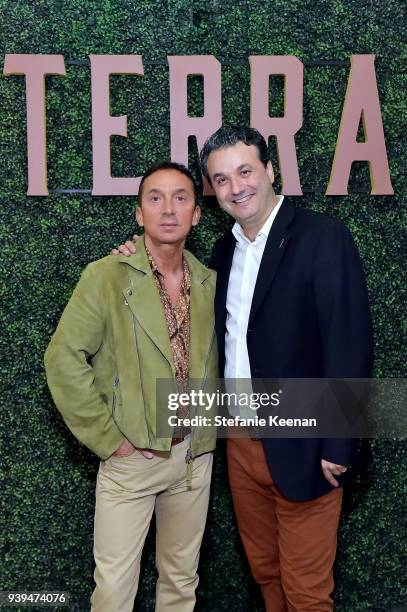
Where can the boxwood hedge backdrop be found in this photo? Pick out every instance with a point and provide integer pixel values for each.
(47, 478)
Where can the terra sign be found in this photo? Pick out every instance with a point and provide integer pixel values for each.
(361, 102)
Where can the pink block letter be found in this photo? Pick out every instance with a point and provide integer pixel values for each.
(104, 125)
(284, 128)
(183, 126)
(35, 68)
(362, 99)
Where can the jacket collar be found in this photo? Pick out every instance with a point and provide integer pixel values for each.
(143, 299)
(139, 261)
(276, 244)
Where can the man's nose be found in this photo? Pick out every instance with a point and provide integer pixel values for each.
(236, 185)
(168, 206)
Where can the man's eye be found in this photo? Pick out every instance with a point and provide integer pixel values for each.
(245, 172)
(155, 199)
(221, 180)
(181, 198)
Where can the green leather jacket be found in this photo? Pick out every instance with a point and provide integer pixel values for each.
(111, 345)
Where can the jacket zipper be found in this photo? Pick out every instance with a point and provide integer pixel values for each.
(142, 385)
(115, 385)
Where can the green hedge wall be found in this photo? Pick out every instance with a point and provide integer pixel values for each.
(47, 478)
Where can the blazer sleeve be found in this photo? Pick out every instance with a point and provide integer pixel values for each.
(70, 375)
(344, 318)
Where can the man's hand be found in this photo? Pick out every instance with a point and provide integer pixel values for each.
(126, 449)
(128, 248)
(329, 469)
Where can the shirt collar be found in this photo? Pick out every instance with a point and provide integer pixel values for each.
(264, 230)
(152, 263)
(186, 278)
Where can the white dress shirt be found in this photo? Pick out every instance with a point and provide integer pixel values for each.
(243, 275)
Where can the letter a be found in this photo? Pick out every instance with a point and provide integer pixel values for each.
(361, 100)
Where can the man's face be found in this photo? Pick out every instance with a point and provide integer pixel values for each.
(167, 209)
(242, 184)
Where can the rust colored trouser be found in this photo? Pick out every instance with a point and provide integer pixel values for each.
(290, 545)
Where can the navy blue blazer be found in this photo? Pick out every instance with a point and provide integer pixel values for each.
(309, 318)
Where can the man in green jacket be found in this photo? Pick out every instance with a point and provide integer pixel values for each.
(131, 321)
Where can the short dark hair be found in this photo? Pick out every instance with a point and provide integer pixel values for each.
(228, 136)
(167, 165)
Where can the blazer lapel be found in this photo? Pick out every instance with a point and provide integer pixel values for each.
(276, 245)
(222, 282)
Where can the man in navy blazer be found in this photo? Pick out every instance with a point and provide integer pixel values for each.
(291, 302)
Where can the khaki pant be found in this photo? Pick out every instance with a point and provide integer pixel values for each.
(290, 545)
(128, 490)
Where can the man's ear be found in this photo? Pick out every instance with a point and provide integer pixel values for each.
(270, 171)
(196, 215)
(139, 216)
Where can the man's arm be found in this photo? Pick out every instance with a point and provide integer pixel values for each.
(343, 307)
(70, 375)
(345, 322)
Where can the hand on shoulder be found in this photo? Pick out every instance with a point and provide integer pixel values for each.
(127, 249)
